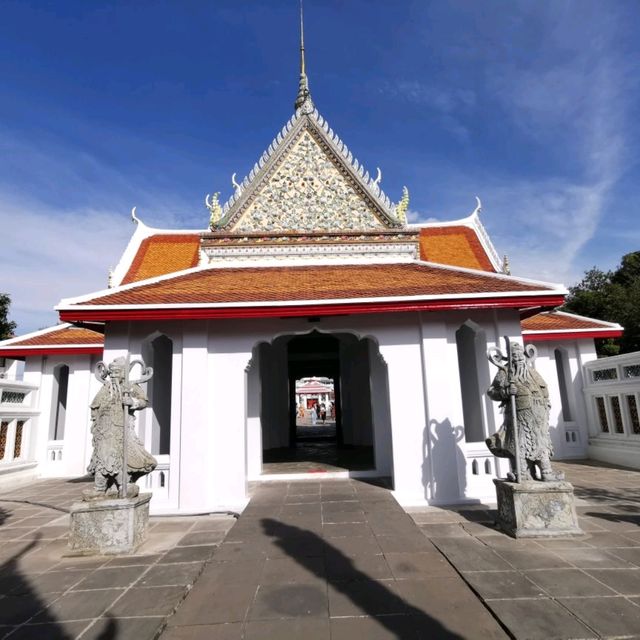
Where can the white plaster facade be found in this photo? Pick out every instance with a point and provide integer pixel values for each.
(225, 392)
(224, 407)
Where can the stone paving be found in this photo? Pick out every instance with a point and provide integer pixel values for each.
(327, 559)
(46, 595)
(586, 587)
(335, 559)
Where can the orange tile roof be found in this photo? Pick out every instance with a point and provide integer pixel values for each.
(553, 321)
(457, 246)
(163, 253)
(325, 282)
(63, 336)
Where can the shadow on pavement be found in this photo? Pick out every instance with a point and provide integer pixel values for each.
(22, 606)
(294, 541)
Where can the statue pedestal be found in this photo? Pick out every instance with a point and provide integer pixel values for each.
(109, 526)
(536, 509)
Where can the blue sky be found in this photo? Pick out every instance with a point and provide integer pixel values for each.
(533, 106)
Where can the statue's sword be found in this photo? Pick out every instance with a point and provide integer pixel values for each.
(514, 415)
(125, 429)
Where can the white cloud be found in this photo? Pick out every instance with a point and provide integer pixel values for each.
(543, 225)
(51, 253)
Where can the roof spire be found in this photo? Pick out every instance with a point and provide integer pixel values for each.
(304, 96)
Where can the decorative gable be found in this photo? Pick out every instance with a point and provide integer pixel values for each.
(307, 181)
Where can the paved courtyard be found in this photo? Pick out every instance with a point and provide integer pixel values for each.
(327, 559)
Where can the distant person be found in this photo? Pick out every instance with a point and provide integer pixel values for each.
(314, 414)
(323, 413)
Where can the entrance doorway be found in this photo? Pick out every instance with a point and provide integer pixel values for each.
(329, 421)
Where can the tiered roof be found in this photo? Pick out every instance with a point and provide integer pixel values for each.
(308, 232)
(163, 253)
(62, 339)
(560, 325)
(303, 289)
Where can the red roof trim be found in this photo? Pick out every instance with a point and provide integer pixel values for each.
(572, 335)
(202, 313)
(17, 352)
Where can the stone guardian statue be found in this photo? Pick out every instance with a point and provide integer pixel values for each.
(523, 395)
(113, 422)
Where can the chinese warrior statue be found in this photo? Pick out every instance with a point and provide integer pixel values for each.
(524, 400)
(112, 409)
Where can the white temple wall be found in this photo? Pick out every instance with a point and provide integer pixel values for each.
(567, 419)
(454, 470)
(254, 423)
(224, 411)
(67, 456)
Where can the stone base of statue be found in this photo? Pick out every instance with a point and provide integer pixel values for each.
(109, 526)
(536, 509)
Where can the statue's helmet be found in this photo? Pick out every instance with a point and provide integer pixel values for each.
(517, 352)
(117, 366)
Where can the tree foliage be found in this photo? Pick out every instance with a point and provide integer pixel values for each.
(7, 327)
(613, 296)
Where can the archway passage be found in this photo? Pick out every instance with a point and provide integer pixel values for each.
(324, 375)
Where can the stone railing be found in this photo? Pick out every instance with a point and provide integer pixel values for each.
(481, 467)
(17, 408)
(612, 396)
(158, 480)
(54, 451)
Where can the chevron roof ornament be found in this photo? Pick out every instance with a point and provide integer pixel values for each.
(367, 187)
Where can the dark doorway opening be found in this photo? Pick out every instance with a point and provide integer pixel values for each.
(316, 387)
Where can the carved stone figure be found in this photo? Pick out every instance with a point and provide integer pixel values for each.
(108, 417)
(517, 379)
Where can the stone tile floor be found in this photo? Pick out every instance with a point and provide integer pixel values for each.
(327, 559)
(585, 587)
(46, 594)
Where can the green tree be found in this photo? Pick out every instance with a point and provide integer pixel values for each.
(613, 296)
(7, 327)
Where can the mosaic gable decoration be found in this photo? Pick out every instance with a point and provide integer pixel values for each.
(308, 181)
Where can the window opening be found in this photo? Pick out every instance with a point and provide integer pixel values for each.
(562, 369)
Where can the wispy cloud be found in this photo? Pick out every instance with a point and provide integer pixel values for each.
(570, 100)
(447, 103)
(577, 104)
(60, 239)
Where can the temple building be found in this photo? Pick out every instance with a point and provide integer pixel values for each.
(309, 269)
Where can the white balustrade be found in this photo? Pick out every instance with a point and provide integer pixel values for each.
(481, 468)
(17, 408)
(612, 396)
(158, 480)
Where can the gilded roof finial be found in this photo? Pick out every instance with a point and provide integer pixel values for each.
(214, 209)
(303, 99)
(403, 206)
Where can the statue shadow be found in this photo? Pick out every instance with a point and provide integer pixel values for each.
(630, 518)
(371, 597)
(26, 611)
(443, 462)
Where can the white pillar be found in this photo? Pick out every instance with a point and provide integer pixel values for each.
(445, 434)
(400, 349)
(196, 476)
(228, 359)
